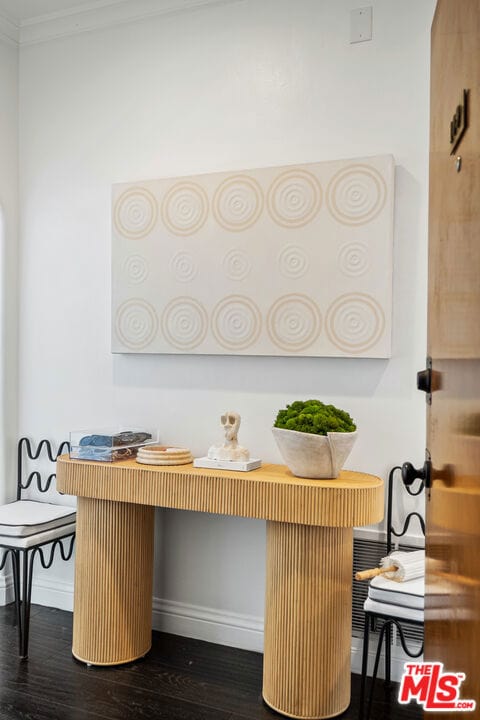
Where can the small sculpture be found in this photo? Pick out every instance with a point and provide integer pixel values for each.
(230, 450)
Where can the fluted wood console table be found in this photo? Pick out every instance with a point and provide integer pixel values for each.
(309, 565)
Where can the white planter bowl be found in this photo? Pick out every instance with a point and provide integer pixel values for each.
(314, 456)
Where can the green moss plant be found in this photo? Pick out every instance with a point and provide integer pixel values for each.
(313, 416)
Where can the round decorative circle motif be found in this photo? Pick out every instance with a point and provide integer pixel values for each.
(294, 322)
(353, 259)
(356, 195)
(355, 322)
(184, 323)
(135, 213)
(236, 322)
(185, 208)
(136, 323)
(293, 262)
(238, 203)
(183, 267)
(294, 198)
(236, 264)
(136, 269)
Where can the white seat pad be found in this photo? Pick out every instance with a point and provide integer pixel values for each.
(410, 594)
(27, 517)
(40, 538)
(397, 611)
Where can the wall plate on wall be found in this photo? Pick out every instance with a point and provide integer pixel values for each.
(293, 260)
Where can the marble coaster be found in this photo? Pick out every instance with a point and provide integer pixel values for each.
(243, 466)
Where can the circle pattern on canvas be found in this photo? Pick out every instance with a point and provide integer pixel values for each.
(356, 195)
(185, 208)
(238, 203)
(236, 322)
(294, 198)
(136, 323)
(184, 323)
(294, 322)
(236, 264)
(293, 262)
(136, 269)
(354, 259)
(183, 267)
(355, 322)
(135, 213)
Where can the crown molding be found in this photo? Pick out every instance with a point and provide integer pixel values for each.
(9, 30)
(101, 14)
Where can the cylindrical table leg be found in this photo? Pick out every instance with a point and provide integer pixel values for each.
(112, 619)
(308, 616)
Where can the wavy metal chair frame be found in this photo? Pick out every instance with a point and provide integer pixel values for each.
(23, 558)
(388, 621)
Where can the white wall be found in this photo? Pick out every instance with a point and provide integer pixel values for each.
(8, 262)
(229, 86)
(8, 270)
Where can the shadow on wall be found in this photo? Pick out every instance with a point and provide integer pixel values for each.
(3, 346)
(409, 264)
(250, 374)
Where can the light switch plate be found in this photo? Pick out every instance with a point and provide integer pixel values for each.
(361, 24)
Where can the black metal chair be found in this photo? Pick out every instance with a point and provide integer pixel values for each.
(392, 604)
(30, 527)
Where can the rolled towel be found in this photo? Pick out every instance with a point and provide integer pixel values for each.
(399, 566)
(409, 565)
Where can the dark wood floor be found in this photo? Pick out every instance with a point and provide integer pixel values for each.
(180, 679)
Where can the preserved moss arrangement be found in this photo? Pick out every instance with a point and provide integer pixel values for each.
(314, 417)
(314, 439)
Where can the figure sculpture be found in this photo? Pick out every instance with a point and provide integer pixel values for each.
(230, 450)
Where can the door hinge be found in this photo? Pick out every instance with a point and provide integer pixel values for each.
(424, 381)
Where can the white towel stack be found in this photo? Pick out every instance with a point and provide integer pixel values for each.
(410, 565)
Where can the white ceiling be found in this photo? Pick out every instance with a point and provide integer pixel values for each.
(23, 10)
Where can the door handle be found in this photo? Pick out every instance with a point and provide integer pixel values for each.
(411, 473)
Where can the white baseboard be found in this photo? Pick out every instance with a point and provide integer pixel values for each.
(399, 658)
(6, 588)
(53, 593)
(195, 621)
(203, 623)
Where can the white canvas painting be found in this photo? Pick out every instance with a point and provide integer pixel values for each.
(293, 260)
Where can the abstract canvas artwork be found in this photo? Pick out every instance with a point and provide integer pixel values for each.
(293, 260)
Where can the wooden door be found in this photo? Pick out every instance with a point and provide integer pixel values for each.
(452, 632)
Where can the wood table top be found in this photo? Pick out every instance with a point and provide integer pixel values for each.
(270, 492)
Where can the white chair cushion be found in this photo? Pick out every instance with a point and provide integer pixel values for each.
(410, 594)
(27, 517)
(396, 611)
(41, 538)
(403, 600)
